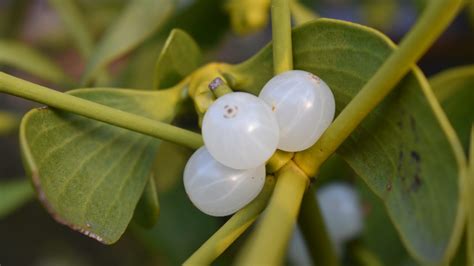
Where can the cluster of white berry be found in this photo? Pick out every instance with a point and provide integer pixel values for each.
(242, 131)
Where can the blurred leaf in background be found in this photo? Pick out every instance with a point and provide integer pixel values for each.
(380, 14)
(14, 194)
(454, 88)
(8, 123)
(127, 32)
(18, 55)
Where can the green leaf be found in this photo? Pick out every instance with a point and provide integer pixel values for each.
(88, 174)
(179, 57)
(380, 236)
(18, 55)
(379, 240)
(75, 23)
(139, 20)
(399, 147)
(148, 208)
(454, 89)
(14, 194)
(140, 69)
(8, 123)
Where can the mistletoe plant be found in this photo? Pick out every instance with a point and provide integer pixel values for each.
(91, 152)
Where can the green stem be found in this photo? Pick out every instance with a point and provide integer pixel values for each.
(281, 34)
(233, 228)
(434, 20)
(278, 160)
(314, 231)
(267, 245)
(66, 102)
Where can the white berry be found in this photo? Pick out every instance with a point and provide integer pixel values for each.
(218, 190)
(240, 131)
(342, 211)
(304, 107)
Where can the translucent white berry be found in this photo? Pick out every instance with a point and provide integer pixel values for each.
(304, 107)
(342, 211)
(218, 190)
(240, 131)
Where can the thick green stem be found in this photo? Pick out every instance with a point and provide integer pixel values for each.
(314, 231)
(233, 228)
(268, 244)
(281, 34)
(66, 102)
(434, 20)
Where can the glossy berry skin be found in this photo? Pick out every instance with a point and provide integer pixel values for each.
(304, 107)
(240, 131)
(342, 211)
(218, 190)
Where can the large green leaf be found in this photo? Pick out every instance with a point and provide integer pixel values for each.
(14, 194)
(405, 150)
(18, 55)
(379, 234)
(454, 88)
(140, 69)
(88, 174)
(179, 57)
(139, 20)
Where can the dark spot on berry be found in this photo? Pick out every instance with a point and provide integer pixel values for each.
(230, 111)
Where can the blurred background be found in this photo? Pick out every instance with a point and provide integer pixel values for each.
(29, 236)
